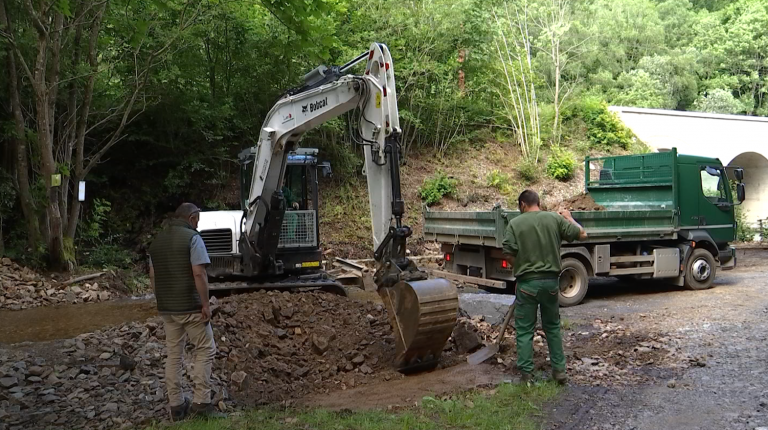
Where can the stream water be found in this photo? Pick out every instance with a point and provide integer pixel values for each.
(67, 321)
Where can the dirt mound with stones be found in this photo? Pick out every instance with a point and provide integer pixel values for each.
(273, 348)
(605, 353)
(581, 202)
(23, 288)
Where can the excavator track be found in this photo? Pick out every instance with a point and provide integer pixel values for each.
(423, 315)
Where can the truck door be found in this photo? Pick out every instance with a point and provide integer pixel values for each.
(715, 207)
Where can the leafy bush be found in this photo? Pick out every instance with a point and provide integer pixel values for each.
(604, 128)
(108, 255)
(529, 171)
(561, 164)
(439, 185)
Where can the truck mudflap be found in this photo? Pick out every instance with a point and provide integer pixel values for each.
(727, 258)
(422, 315)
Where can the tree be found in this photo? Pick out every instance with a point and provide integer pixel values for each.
(639, 89)
(554, 21)
(718, 101)
(61, 136)
(513, 46)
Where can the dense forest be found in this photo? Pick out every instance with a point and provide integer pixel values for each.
(149, 101)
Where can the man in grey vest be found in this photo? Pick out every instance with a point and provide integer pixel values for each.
(177, 271)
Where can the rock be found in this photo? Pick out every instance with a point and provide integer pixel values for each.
(80, 345)
(358, 359)
(76, 290)
(281, 334)
(34, 379)
(643, 350)
(365, 369)
(3, 414)
(287, 312)
(50, 418)
(302, 372)
(111, 407)
(465, 337)
(127, 363)
(104, 296)
(36, 371)
(105, 356)
(238, 378)
(124, 377)
(319, 344)
(672, 383)
(9, 382)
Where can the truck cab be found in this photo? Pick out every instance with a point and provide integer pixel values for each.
(299, 245)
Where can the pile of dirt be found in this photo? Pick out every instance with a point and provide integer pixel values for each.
(581, 202)
(273, 348)
(23, 288)
(605, 354)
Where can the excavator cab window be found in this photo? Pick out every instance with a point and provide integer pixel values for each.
(295, 187)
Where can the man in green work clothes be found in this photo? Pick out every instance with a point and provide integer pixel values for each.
(532, 246)
(290, 200)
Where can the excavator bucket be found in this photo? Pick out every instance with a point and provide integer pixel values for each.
(422, 314)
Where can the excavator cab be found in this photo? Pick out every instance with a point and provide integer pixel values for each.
(299, 245)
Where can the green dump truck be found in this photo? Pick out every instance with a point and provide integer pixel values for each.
(667, 215)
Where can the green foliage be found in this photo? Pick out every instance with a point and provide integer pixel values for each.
(435, 188)
(604, 128)
(718, 101)
(561, 164)
(107, 256)
(92, 227)
(744, 232)
(500, 181)
(528, 171)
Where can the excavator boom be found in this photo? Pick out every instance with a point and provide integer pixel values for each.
(422, 311)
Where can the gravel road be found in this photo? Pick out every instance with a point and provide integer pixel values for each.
(727, 324)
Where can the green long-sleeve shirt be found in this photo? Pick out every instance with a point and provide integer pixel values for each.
(534, 239)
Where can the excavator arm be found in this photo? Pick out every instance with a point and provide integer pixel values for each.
(422, 311)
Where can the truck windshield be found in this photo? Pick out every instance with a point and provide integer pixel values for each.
(712, 184)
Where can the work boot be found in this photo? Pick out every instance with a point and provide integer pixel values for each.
(526, 378)
(205, 410)
(560, 377)
(180, 412)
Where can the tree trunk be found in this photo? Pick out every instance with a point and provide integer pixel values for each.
(556, 58)
(71, 122)
(82, 120)
(20, 142)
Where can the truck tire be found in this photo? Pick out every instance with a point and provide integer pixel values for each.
(574, 281)
(700, 270)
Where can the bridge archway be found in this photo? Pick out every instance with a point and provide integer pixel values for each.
(755, 183)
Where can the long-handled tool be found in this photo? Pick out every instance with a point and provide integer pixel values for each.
(491, 350)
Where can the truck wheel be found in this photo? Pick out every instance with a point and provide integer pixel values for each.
(574, 281)
(700, 270)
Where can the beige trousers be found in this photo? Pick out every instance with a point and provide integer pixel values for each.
(178, 329)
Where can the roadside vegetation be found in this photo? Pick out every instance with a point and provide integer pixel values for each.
(511, 406)
(149, 103)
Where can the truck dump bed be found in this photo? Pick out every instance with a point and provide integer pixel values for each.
(638, 192)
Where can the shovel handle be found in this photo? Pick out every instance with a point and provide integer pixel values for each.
(508, 317)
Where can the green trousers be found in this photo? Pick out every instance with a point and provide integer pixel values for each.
(530, 295)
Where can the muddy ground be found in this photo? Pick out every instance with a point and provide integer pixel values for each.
(726, 324)
(639, 356)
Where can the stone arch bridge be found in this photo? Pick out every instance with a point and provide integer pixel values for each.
(737, 140)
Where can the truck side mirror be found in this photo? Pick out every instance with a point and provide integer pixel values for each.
(739, 174)
(741, 192)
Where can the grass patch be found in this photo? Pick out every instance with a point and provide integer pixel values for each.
(510, 406)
